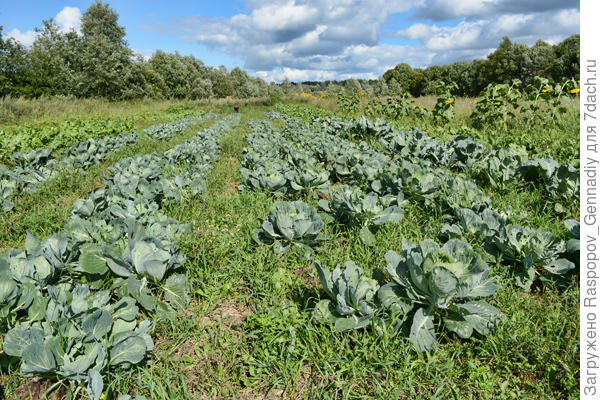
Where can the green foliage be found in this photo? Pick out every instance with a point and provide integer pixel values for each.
(13, 64)
(534, 252)
(497, 105)
(545, 97)
(348, 103)
(70, 302)
(429, 282)
(301, 111)
(350, 204)
(58, 135)
(402, 74)
(443, 111)
(290, 223)
(508, 62)
(395, 108)
(354, 294)
(441, 282)
(247, 331)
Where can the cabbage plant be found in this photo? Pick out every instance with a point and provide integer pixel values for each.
(471, 224)
(531, 252)
(563, 186)
(432, 282)
(78, 335)
(351, 205)
(501, 166)
(290, 223)
(271, 178)
(308, 179)
(353, 294)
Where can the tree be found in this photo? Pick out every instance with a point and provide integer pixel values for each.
(540, 58)
(173, 73)
(394, 88)
(50, 58)
(13, 65)
(566, 59)
(105, 58)
(286, 86)
(459, 73)
(202, 89)
(402, 74)
(353, 86)
(432, 75)
(221, 85)
(101, 21)
(381, 88)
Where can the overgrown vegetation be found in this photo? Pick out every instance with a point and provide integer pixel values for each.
(454, 279)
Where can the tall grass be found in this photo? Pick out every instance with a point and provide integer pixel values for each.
(51, 109)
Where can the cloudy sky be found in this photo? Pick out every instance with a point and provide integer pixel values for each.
(315, 39)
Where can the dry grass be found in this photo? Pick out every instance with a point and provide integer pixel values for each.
(51, 109)
(464, 105)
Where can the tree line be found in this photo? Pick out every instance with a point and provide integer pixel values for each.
(508, 62)
(97, 62)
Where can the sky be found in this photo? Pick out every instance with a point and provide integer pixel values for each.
(318, 39)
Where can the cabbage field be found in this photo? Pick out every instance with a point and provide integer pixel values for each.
(372, 250)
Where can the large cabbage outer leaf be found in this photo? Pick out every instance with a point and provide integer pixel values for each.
(130, 351)
(98, 324)
(92, 262)
(352, 322)
(325, 279)
(422, 333)
(475, 315)
(176, 292)
(37, 358)
(125, 309)
(395, 297)
(18, 338)
(95, 384)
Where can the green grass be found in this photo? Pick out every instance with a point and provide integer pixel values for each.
(247, 332)
(46, 210)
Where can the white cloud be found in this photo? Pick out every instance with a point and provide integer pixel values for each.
(69, 19)
(441, 10)
(25, 38)
(323, 39)
(478, 36)
(465, 35)
(302, 39)
(416, 31)
(275, 17)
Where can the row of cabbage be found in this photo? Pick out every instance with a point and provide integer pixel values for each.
(356, 296)
(372, 189)
(168, 130)
(428, 282)
(37, 166)
(496, 167)
(77, 305)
